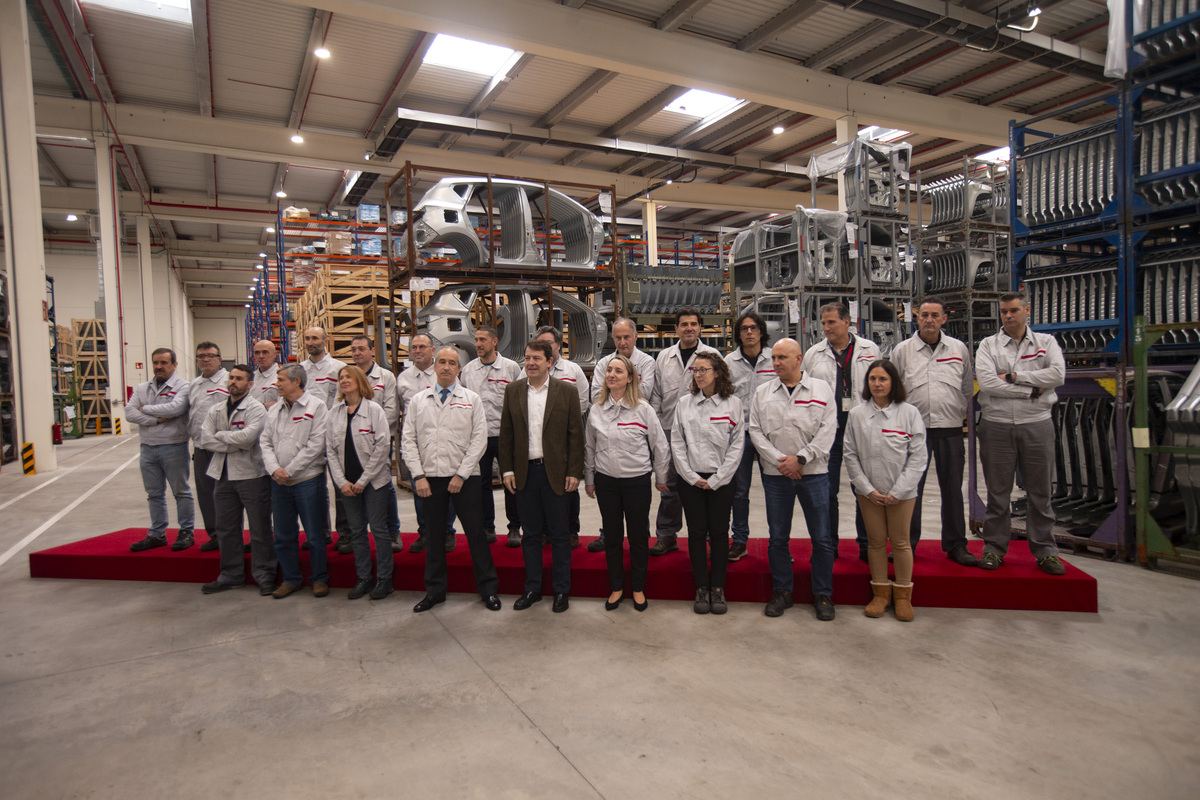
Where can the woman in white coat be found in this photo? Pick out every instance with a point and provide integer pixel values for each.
(357, 444)
(707, 442)
(885, 457)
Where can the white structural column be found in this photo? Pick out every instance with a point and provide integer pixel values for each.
(149, 320)
(24, 255)
(110, 289)
(650, 230)
(846, 128)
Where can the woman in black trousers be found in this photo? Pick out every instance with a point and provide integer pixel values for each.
(707, 441)
(624, 443)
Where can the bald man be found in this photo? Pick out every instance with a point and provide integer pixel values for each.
(266, 367)
(793, 421)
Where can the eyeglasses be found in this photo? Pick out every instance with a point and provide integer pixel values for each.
(748, 329)
(700, 370)
(207, 356)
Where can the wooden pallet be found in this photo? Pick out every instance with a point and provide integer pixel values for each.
(90, 337)
(91, 375)
(66, 344)
(95, 407)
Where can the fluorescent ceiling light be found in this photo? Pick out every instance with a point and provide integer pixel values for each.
(321, 52)
(464, 54)
(778, 129)
(247, 305)
(71, 217)
(281, 193)
(258, 266)
(297, 138)
(179, 11)
(876, 133)
(269, 229)
(998, 156)
(262, 255)
(701, 104)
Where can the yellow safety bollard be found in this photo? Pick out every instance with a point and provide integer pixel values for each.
(116, 426)
(99, 426)
(27, 458)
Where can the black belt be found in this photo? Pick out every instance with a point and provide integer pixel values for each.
(537, 462)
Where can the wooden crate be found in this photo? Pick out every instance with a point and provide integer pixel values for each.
(95, 407)
(90, 338)
(66, 344)
(91, 375)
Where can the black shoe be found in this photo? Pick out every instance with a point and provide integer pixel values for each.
(781, 600)
(397, 546)
(991, 561)
(266, 589)
(596, 545)
(613, 606)
(217, 586)
(343, 545)
(737, 551)
(716, 600)
(451, 542)
(491, 537)
(427, 602)
(362, 587)
(305, 545)
(702, 605)
(1051, 565)
(642, 606)
(514, 539)
(526, 600)
(561, 603)
(961, 555)
(574, 540)
(149, 543)
(209, 546)
(381, 590)
(491, 602)
(664, 546)
(419, 545)
(824, 606)
(182, 542)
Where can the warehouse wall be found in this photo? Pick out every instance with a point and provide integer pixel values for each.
(226, 327)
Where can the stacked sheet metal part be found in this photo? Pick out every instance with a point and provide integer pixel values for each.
(875, 174)
(1076, 293)
(806, 248)
(883, 322)
(958, 268)
(1169, 142)
(1170, 292)
(664, 290)
(1183, 430)
(958, 199)
(972, 319)
(884, 254)
(1069, 177)
(1178, 38)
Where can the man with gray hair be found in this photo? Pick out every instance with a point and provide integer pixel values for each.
(159, 409)
(205, 391)
(293, 454)
(624, 335)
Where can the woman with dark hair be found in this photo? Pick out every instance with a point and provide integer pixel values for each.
(885, 457)
(623, 442)
(358, 449)
(707, 441)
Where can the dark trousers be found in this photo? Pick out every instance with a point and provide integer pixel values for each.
(835, 483)
(741, 492)
(341, 521)
(670, 510)
(625, 507)
(307, 502)
(542, 509)
(370, 507)
(487, 495)
(251, 497)
(206, 489)
(469, 514)
(948, 447)
(707, 512)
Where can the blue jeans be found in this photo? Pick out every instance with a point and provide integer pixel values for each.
(835, 485)
(781, 494)
(305, 502)
(162, 464)
(741, 493)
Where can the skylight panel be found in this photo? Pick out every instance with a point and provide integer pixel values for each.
(875, 133)
(701, 104)
(179, 11)
(998, 156)
(464, 54)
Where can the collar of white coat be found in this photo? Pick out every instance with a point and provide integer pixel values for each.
(218, 378)
(805, 382)
(888, 411)
(1028, 337)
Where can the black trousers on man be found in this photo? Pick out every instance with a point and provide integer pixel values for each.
(471, 517)
(946, 446)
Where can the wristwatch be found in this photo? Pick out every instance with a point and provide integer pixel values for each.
(418, 478)
(1008, 376)
(802, 460)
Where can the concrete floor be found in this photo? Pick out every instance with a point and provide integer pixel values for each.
(145, 690)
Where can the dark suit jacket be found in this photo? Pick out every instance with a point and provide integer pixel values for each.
(562, 433)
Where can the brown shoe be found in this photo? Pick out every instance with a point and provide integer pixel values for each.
(574, 540)
(320, 589)
(902, 597)
(284, 589)
(882, 599)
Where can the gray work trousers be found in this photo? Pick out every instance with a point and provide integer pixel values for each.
(253, 498)
(370, 507)
(1002, 448)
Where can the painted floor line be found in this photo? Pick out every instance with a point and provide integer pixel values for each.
(12, 551)
(63, 474)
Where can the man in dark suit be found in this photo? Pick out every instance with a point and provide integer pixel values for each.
(541, 459)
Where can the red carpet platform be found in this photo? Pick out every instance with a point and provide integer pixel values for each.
(1019, 584)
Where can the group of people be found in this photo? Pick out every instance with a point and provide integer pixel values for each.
(690, 424)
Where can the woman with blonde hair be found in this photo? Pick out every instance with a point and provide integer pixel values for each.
(706, 441)
(624, 442)
(885, 457)
(358, 449)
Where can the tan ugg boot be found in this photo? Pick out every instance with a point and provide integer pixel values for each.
(902, 595)
(881, 600)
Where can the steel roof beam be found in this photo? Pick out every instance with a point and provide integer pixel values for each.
(679, 13)
(48, 169)
(789, 18)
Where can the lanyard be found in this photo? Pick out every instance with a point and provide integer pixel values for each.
(846, 379)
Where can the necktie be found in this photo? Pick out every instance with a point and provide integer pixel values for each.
(445, 393)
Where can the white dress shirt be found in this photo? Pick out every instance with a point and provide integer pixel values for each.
(536, 401)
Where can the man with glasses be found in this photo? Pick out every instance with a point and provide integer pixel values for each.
(416, 378)
(205, 391)
(750, 365)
